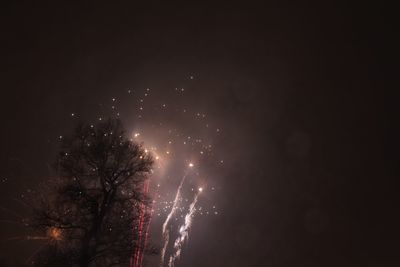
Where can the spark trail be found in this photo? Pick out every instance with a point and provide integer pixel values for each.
(165, 231)
(140, 261)
(138, 253)
(184, 231)
(145, 229)
(146, 233)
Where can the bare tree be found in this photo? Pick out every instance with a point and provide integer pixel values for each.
(90, 214)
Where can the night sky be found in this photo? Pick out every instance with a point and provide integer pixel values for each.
(289, 96)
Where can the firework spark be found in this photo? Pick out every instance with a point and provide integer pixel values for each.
(184, 230)
(165, 231)
(138, 252)
(144, 228)
(146, 236)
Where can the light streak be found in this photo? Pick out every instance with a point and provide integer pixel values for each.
(138, 252)
(146, 235)
(144, 212)
(184, 230)
(165, 231)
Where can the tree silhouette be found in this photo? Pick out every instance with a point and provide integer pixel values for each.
(90, 213)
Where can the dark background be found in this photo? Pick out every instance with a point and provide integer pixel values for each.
(299, 87)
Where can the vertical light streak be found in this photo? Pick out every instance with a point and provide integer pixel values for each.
(134, 261)
(143, 232)
(165, 231)
(146, 234)
(184, 231)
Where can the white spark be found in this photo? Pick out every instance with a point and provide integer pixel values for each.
(165, 231)
(184, 231)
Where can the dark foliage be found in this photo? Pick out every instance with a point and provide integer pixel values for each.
(91, 212)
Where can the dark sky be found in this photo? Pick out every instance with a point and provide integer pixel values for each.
(296, 88)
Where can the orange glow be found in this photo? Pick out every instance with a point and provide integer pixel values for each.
(55, 233)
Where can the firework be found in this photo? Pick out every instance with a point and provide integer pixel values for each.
(184, 230)
(169, 144)
(165, 231)
(138, 252)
